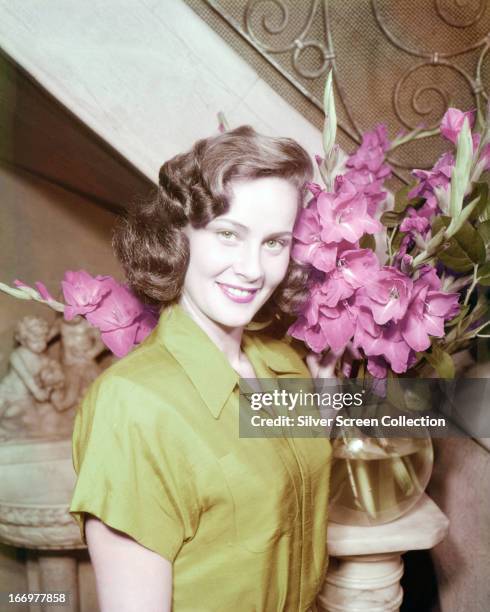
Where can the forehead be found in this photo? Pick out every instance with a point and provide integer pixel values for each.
(267, 201)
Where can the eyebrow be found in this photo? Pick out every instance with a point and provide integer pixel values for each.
(245, 228)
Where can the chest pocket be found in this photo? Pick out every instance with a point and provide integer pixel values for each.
(265, 498)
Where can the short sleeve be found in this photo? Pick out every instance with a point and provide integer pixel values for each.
(130, 472)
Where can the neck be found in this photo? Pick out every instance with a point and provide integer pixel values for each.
(227, 339)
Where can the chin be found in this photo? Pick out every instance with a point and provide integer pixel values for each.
(234, 316)
(233, 321)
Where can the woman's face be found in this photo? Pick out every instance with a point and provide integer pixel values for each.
(239, 258)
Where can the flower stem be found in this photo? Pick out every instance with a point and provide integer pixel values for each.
(390, 250)
(474, 283)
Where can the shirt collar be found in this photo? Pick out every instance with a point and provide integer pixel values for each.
(206, 365)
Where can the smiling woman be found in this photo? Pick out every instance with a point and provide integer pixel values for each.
(179, 511)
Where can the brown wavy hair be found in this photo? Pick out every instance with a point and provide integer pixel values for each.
(149, 241)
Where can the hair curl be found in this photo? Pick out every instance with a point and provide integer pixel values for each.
(149, 241)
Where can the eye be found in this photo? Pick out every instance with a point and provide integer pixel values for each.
(227, 235)
(275, 244)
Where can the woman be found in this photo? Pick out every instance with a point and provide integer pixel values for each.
(178, 511)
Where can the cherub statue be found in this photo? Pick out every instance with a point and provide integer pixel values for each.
(80, 346)
(39, 394)
(32, 375)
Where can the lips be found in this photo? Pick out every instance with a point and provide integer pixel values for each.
(240, 295)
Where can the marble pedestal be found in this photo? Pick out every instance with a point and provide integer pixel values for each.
(365, 562)
(37, 479)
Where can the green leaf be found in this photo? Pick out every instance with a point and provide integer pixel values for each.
(397, 241)
(439, 222)
(484, 275)
(458, 222)
(480, 193)
(471, 242)
(441, 361)
(484, 230)
(452, 256)
(464, 248)
(402, 201)
(390, 218)
(368, 242)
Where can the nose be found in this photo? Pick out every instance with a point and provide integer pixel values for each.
(248, 263)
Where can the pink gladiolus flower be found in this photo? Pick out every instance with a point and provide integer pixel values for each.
(121, 340)
(452, 123)
(376, 340)
(344, 216)
(311, 309)
(337, 327)
(314, 188)
(357, 265)
(20, 284)
(146, 324)
(378, 367)
(118, 308)
(40, 288)
(439, 176)
(367, 168)
(415, 223)
(427, 275)
(321, 327)
(367, 184)
(308, 247)
(353, 268)
(389, 295)
(318, 254)
(427, 312)
(371, 153)
(82, 293)
(111, 307)
(388, 343)
(405, 245)
(43, 291)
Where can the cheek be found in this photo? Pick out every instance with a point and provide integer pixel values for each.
(207, 257)
(277, 268)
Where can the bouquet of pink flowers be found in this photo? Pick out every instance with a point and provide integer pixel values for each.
(405, 307)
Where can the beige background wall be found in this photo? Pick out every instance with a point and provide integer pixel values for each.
(44, 230)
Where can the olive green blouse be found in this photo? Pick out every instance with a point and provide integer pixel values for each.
(158, 457)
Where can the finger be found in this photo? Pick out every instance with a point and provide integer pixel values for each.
(313, 363)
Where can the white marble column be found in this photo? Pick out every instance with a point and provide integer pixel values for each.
(365, 562)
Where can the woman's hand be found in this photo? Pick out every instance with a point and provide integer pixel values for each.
(324, 365)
